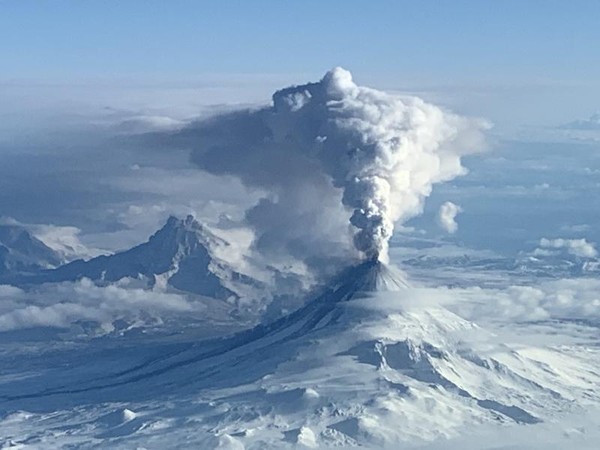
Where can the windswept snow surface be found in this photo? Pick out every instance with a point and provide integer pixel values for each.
(362, 364)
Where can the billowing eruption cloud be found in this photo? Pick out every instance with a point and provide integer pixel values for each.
(330, 150)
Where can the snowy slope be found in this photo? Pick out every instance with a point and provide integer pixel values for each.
(361, 364)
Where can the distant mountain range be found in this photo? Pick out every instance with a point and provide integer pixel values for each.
(181, 256)
(590, 124)
(177, 255)
(551, 266)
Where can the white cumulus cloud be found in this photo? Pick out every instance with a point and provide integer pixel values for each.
(447, 216)
(575, 247)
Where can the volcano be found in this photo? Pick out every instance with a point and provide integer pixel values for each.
(179, 255)
(361, 364)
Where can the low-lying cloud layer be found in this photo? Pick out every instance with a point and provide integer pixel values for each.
(573, 299)
(61, 305)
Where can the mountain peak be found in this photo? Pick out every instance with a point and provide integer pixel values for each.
(186, 232)
(172, 222)
(179, 253)
(189, 221)
(373, 276)
(387, 278)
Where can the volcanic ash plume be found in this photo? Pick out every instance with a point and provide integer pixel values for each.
(376, 153)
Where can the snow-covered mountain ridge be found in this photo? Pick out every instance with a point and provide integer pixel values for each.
(178, 255)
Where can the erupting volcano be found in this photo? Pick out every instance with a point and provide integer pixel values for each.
(359, 364)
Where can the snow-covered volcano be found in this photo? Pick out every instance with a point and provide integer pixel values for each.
(360, 364)
(180, 255)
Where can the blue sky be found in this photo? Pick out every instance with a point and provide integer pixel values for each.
(517, 63)
(524, 65)
(438, 41)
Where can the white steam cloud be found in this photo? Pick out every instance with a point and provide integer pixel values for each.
(447, 216)
(333, 149)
